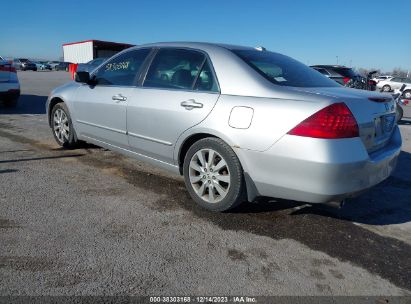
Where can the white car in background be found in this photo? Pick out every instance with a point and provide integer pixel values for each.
(406, 93)
(382, 78)
(392, 84)
(9, 84)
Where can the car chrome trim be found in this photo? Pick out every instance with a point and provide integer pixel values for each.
(179, 90)
(101, 127)
(150, 139)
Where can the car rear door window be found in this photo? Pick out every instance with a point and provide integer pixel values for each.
(121, 70)
(282, 70)
(175, 69)
(206, 80)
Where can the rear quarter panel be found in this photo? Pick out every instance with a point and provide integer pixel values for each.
(272, 119)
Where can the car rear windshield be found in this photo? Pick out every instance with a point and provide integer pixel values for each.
(283, 70)
(345, 72)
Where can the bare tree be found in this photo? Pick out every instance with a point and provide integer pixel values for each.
(365, 72)
(399, 72)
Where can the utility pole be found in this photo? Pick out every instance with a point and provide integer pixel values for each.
(337, 59)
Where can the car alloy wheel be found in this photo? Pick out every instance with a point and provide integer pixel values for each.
(407, 94)
(61, 126)
(386, 88)
(209, 175)
(213, 175)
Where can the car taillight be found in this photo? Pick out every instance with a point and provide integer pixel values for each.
(346, 79)
(334, 121)
(8, 68)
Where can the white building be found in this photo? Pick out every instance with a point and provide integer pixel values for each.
(84, 51)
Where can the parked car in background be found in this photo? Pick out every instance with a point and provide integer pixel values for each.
(42, 65)
(236, 122)
(382, 78)
(406, 92)
(46, 65)
(9, 84)
(346, 77)
(62, 66)
(24, 64)
(53, 64)
(91, 65)
(392, 84)
(338, 73)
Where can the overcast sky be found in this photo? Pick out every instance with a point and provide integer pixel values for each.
(369, 34)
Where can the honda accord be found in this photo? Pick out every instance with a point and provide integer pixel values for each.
(237, 122)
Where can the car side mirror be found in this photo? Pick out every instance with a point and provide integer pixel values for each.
(83, 77)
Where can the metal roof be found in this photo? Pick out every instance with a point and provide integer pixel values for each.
(99, 42)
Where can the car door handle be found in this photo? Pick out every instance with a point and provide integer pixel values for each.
(119, 98)
(191, 104)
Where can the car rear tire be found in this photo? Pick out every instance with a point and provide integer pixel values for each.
(213, 175)
(386, 88)
(407, 94)
(62, 126)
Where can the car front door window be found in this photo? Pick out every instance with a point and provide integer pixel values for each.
(121, 70)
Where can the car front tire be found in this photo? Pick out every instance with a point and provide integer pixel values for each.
(213, 175)
(407, 94)
(386, 88)
(62, 126)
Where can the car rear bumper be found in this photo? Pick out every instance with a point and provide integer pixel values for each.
(9, 90)
(317, 170)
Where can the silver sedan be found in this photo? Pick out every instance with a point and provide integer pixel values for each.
(237, 122)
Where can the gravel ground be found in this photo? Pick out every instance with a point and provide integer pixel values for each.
(92, 222)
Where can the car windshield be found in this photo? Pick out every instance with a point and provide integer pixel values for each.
(24, 60)
(283, 70)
